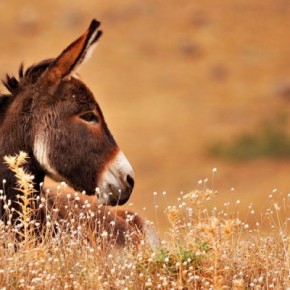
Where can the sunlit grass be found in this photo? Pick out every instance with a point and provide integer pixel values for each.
(204, 249)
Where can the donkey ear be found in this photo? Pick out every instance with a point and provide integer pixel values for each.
(74, 55)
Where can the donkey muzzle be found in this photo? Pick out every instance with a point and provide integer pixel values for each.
(117, 182)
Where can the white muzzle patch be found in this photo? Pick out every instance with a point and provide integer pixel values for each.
(114, 185)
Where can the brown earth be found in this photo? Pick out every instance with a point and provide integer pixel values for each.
(172, 77)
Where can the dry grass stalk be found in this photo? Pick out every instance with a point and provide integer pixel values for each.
(207, 249)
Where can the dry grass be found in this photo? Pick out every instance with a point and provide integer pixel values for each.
(205, 249)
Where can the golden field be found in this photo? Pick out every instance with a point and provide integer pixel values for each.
(173, 79)
(204, 249)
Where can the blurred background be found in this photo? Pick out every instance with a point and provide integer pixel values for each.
(186, 86)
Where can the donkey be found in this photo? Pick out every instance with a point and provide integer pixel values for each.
(122, 226)
(52, 115)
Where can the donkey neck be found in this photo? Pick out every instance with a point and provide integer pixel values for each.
(14, 137)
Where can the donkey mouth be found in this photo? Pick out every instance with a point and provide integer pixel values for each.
(114, 196)
(121, 199)
(119, 202)
(117, 182)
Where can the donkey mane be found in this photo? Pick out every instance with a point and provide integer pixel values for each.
(13, 84)
(32, 73)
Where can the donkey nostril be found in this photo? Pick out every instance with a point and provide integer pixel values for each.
(130, 181)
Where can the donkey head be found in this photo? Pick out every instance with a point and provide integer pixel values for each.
(69, 137)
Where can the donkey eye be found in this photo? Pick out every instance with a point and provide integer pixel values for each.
(90, 118)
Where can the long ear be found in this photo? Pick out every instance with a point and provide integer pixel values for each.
(74, 55)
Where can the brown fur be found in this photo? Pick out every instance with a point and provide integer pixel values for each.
(45, 116)
(121, 225)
